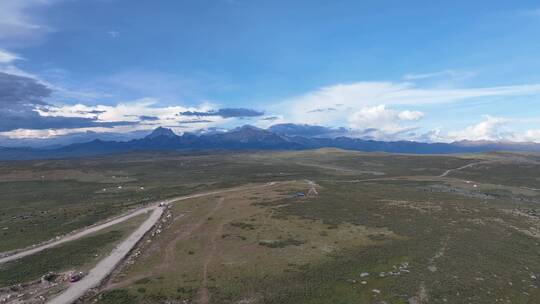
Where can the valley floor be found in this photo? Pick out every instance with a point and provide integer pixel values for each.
(323, 226)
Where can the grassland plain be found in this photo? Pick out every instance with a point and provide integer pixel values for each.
(404, 236)
(218, 239)
(384, 228)
(40, 200)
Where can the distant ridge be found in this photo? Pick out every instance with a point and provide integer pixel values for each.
(252, 138)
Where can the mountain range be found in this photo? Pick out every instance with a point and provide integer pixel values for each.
(279, 137)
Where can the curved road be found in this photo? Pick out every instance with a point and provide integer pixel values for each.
(96, 228)
(75, 236)
(108, 264)
(105, 266)
(445, 173)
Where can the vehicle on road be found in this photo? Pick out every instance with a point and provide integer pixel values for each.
(76, 276)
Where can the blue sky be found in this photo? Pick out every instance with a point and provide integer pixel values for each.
(415, 70)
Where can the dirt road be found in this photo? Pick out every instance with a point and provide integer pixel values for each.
(108, 264)
(105, 266)
(99, 227)
(75, 236)
(445, 173)
(341, 169)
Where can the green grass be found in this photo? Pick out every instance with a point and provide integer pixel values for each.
(118, 296)
(477, 267)
(242, 225)
(486, 255)
(34, 210)
(512, 174)
(70, 255)
(78, 254)
(281, 243)
(484, 258)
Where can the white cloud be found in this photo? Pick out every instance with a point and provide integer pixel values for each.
(368, 108)
(371, 105)
(495, 129)
(13, 70)
(529, 136)
(120, 112)
(433, 135)
(145, 113)
(351, 100)
(376, 93)
(17, 24)
(7, 57)
(379, 117)
(491, 128)
(410, 115)
(452, 74)
(47, 133)
(132, 111)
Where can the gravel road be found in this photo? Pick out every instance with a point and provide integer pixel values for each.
(107, 265)
(445, 173)
(74, 236)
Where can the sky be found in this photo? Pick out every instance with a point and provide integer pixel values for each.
(388, 70)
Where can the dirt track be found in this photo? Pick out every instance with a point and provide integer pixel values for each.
(105, 266)
(445, 173)
(108, 264)
(204, 293)
(99, 227)
(75, 236)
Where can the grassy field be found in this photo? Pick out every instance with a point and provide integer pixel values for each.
(383, 228)
(401, 235)
(216, 241)
(42, 199)
(77, 255)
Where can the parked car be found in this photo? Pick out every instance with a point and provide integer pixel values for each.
(75, 277)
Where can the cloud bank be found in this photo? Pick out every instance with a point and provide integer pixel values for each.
(225, 113)
(372, 110)
(21, 99)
